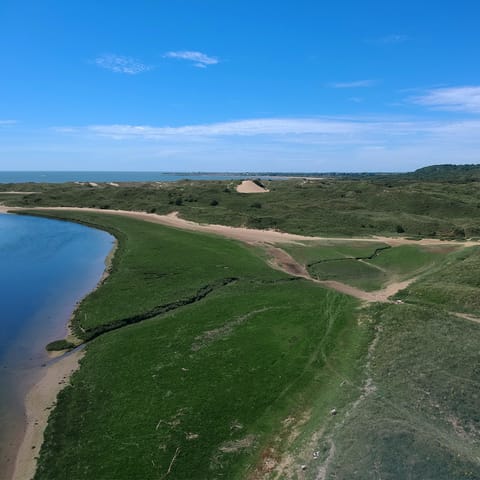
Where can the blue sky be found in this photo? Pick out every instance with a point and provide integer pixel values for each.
(239, 85)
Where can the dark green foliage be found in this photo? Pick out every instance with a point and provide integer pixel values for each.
(59, 345)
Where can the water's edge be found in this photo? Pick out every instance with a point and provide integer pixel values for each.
(40, 378)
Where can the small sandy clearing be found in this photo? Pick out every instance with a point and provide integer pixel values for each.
(113, 184)
(247, 186)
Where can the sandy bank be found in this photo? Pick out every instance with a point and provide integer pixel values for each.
(37, 404)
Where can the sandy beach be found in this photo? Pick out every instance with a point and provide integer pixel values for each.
(38, 402)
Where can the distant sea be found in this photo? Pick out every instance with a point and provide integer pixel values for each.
(61, 177)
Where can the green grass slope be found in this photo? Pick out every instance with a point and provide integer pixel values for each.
(206, 389)
(420, 418)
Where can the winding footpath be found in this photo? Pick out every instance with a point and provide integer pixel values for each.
(268, 239)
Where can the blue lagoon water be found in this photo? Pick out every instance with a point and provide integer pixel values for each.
(46, 267)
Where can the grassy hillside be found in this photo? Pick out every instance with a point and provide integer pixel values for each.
(419, 417)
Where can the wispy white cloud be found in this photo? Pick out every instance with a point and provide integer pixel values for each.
(354, 84)
(333, 131)
(8, 122)
(252, 127)
(121, 64)
(462, 99)
(199, 59)
(354, 143)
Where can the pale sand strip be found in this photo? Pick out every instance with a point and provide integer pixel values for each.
(37, 403)
(11, 192)
(249, 235)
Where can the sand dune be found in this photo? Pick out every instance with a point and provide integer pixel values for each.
(247, 186)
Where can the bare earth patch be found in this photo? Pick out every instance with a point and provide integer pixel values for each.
(247, 186)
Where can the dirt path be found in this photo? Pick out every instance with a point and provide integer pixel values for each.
(283, 261)
(248, 235)
(466, 316)
(280, 259)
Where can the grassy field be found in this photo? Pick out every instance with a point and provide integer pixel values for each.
(454, 286)
(211, 383)
(420, 419)
(368, 265)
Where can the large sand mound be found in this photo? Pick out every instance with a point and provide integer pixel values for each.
(247, 186)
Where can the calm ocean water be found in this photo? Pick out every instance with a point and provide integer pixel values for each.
(60, 177)
(46, 266)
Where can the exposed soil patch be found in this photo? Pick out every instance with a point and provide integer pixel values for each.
(248, 186)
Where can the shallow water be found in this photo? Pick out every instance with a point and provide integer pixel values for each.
(46, 266)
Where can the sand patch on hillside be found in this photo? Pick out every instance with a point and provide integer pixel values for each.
(247, 186)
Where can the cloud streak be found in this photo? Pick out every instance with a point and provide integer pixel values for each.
(199, 59)
(320, 131)
(121, 64)
(354, 84)
(461, 99)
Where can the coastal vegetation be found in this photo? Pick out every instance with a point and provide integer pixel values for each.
(204, 362)
(416, 204)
